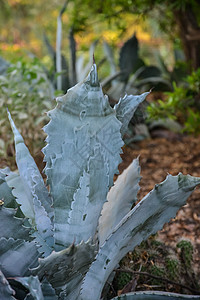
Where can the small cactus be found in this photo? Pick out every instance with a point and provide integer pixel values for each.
(173, 268)
(186, 252)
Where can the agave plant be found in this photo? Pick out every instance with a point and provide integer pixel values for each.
(64, 242)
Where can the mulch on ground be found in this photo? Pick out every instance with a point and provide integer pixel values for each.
(161, 156)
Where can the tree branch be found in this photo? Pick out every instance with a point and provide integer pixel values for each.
(127, 270)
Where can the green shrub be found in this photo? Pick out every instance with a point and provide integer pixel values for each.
(183, 104)
(26, 91)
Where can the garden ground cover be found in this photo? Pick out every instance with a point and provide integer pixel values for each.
(172, 154)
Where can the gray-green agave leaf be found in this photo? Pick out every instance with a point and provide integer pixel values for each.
(33, 285)
(66, 269)
(31, 193)
(12, 226)
(120, 198)
(29, 173)
(37, 290)
(48, 291)
(155, 295)
(5, 191)
(126, 107)
(22, 195)
(6, 292)
(86, 204)
(17, 257)
(146, 218)
(79, 143)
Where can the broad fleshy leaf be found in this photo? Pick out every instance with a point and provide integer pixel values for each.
(146, 218)
(48, 291)
(29, 172)
(120, 198)
(155, 295)
(6, 292)
(32, 194)
(126, 107)
(12, 226)
(66, 269)
(22, 195)
(88, 201)
(34, 211)
(5, 191)
(128, 57)
(17, 256)
(33, 285)
(80, 129)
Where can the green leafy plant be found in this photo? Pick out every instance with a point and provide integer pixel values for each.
(172, 265)
(186, 252)
(182, 104)
(26, 91)
(123, 279)
(66, 242)
(155, 265)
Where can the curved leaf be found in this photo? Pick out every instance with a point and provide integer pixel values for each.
(146, 218)
(6, 292)
(29, 172)
(128, 57)
(48, 291)
(34, 211)
(120, 198)
(5, 191)
(22, 195)
(59, 57)
(88, 199)
(17, 256)
(44, 233)
(65, 269)
(148, 72)
(43, 291)
(157, 295)
(12, 226)
(154, 81)
(32, 194)
(126, 107)
(33, 285)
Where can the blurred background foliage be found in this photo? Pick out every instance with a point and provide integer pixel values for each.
(23, 24)
(138, 44)
(27, 93)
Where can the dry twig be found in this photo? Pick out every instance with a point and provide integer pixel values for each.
(127, 270)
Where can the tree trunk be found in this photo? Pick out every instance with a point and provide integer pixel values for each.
(190, 35)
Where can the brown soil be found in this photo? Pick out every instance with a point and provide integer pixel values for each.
(161, 156)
